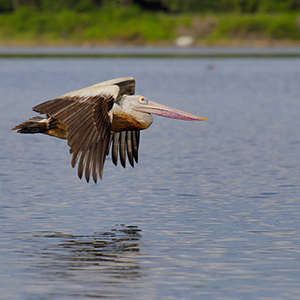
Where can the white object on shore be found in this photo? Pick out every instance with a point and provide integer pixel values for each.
(185, 41)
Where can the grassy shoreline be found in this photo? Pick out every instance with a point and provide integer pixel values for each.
(134, 27)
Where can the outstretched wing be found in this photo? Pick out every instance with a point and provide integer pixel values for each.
(126, 85)
(125, 142)
(87, 115)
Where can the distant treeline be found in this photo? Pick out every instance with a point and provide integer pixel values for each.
(247, 6)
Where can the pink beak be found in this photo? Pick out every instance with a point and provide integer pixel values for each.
(161, 110)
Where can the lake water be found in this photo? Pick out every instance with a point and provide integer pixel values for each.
(212, 210)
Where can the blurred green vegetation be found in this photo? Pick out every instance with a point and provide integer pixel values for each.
(274, 26)
(108, 24)
(56, 22)
(166, 5)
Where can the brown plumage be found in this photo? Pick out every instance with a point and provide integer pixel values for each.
(93, 118)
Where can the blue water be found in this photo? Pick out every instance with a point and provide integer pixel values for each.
(212, 210)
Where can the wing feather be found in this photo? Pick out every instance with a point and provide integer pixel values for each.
(78, 134)
(122, 142)
(77, 144)
(115, 147)
(88, 125)
(129, 147)
(125, 84)
(101, 162)
(81, 164)
(122, 148)
(95, 165)
(135, 144)
(88, 164)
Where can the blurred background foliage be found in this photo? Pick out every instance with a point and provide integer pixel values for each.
(157, 5)
(56, 22)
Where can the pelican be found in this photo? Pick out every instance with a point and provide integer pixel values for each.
(94, 119)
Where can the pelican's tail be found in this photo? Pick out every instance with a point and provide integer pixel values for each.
(33, 125)
(42, 125)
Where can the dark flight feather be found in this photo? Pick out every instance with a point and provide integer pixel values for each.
(88, 127)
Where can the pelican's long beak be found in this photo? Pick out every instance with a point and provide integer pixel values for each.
(161, 110)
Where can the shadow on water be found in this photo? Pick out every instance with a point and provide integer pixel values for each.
(88, 265)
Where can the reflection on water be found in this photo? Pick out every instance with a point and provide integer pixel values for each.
(103, 259)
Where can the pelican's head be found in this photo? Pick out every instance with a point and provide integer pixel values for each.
(141, 107)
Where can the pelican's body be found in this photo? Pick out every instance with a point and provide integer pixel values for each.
(97, 117)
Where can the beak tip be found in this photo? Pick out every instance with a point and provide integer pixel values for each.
(202, 119)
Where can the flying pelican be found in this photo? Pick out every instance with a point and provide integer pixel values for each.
(94, 119)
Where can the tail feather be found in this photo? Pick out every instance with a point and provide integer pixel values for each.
(33, 125)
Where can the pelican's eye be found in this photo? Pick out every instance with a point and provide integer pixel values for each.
(142, 99)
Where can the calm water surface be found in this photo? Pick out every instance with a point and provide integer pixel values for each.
(212, 210)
